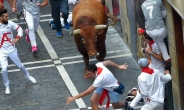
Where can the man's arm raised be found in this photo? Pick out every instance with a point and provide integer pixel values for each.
(108, 62)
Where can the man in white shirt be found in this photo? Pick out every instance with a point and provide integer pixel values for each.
(151, 86)
(153, 52)
(104, 82)
(154, 55)
(8, 49)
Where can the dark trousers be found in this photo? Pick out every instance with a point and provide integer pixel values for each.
(58, 6)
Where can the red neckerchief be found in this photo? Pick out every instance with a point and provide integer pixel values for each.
(5, 38)
(148, 70)
(150, 43)
(104, 92)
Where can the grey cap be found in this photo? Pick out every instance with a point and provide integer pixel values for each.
(143, 62)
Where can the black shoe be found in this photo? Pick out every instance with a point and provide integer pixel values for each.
(129, 98)
(130, 108)
(18, 16)
(141, 101)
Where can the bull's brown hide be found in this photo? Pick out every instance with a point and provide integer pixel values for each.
(90, 40)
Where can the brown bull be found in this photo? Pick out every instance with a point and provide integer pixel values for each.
(90, 27)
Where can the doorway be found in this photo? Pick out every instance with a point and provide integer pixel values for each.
(179, 53)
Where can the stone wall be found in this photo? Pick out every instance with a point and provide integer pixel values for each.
(172, 51)
(125, 23)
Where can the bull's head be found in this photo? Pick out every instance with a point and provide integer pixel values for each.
(89, 37)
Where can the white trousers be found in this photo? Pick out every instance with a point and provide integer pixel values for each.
(32, 21)
(152, 105)
(158, 35)
(4, 65)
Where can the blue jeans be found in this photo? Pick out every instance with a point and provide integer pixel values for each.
(58, 6)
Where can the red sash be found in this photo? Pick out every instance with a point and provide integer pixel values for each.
(104, 92)
(5, 38)
(102, 98)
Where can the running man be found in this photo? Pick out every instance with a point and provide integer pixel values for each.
(58, 6)
(8, 49)
(32, 14)
(105, 84)
(151, 86)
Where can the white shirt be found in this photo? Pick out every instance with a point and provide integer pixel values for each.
(105, 79)
(156, 64)
(151, 85)
(6, 45)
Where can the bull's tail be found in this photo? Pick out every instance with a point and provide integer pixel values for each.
(111, 19)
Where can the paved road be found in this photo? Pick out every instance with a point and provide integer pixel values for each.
(59, 70)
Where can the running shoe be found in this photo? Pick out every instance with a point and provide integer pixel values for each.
(17, 18)
(7, 91)
(53, 26)
(34, 51)
(59, 34)
(51, 22)
(67, 26)
(32, 79)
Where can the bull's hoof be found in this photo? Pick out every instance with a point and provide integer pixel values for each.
(99, 58)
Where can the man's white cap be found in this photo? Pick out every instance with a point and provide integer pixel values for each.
(143, 62)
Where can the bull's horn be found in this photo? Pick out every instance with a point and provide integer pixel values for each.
(100, 27)
(76, 31)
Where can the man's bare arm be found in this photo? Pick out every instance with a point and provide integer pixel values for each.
(10, 2)
(108, 62)
(85, 93)
(14, 7)
(45, 2)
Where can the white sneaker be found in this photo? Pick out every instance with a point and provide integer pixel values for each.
(7, 91)
(32, 79)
